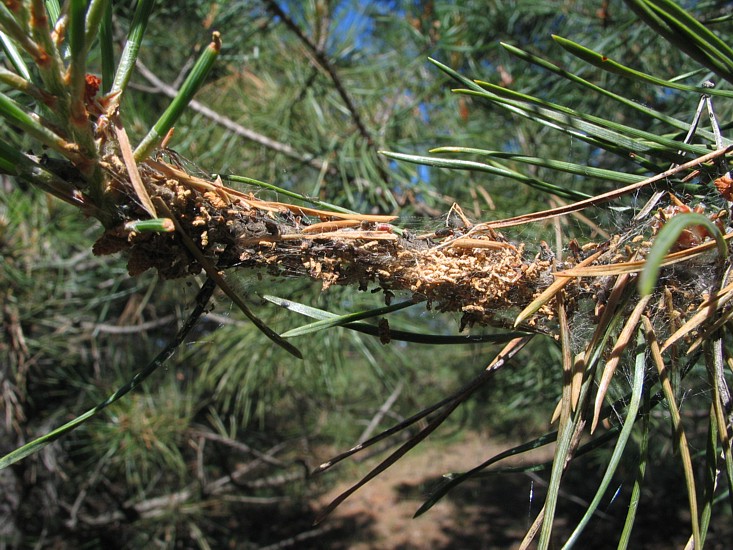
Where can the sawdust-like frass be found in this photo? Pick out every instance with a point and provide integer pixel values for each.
(482, 276)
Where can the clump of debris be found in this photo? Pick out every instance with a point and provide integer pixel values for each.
(482, 276)
(469, 269)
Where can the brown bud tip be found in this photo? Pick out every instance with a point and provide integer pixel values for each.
(724, 185)
(216, 41)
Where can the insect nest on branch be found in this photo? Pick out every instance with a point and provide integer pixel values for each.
(472, 270)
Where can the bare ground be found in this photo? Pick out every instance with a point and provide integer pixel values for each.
(490, 513)
(380, 515)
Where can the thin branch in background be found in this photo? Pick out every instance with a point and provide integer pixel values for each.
(300, 537)
(91, 481)
(157, 507)
(325, 64)
(161, 87)
(239, 446)
(324, 24)
(383, 410)
(201, 301)
(226, 487)
(301, 240)
(129, 329)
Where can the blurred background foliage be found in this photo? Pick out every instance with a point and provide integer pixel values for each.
(304, 96)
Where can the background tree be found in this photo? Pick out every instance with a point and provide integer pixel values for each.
(303, 96)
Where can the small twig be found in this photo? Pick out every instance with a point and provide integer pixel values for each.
(129, 329)
(380, 414)
(238, 445)
(300, 537)
(183, 72)
(90, 481)
(200, 471)
(324, 63)
(159, 506)
(161, 87)
(222, 483)
(223, 319)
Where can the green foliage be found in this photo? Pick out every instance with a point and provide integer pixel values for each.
(647, 149)
(305, 98)
(145, 436)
